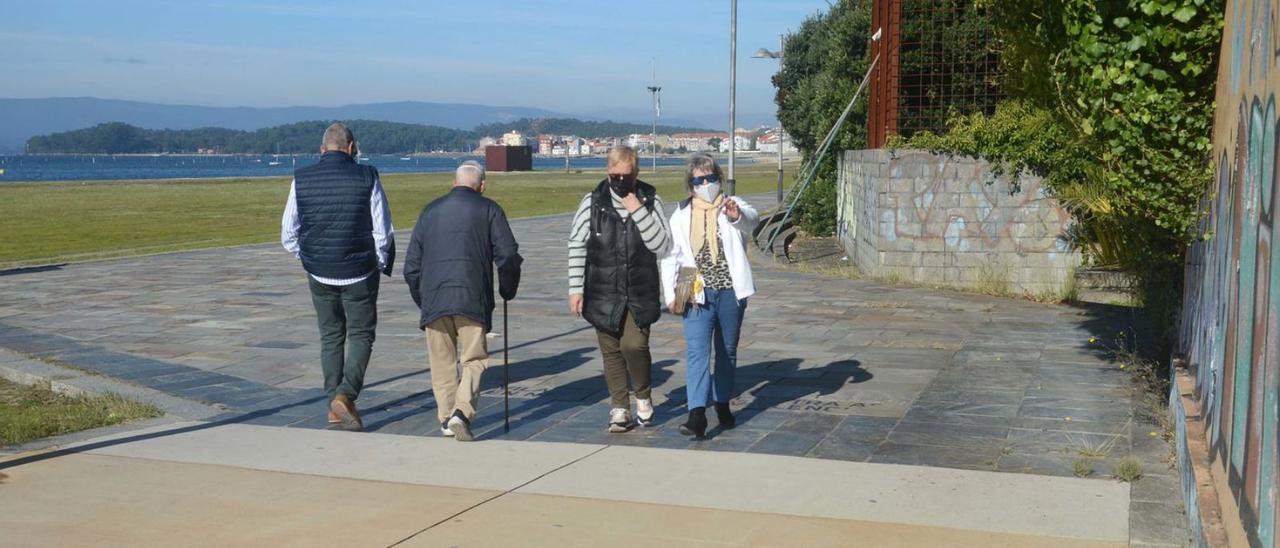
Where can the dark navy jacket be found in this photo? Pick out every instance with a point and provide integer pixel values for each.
(335, 238)
(458, 240)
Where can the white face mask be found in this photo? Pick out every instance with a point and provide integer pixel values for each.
(707, 191)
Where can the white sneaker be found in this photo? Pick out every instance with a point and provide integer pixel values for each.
(444, 429)
(619, 420)
(644, 412)
(460, 426)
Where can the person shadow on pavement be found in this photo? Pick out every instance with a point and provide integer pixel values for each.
(536, 411)
(491, 380)
(774, 384)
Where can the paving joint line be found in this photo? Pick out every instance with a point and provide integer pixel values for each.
(500, 495)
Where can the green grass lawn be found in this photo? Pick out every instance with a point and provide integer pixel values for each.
(45, 223)
(32, 412)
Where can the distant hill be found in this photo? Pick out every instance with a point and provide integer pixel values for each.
(374, 136)
(25, 118)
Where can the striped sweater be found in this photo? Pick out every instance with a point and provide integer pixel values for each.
(653, 229)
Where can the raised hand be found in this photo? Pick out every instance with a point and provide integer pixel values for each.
(632, 203)
(731, 209)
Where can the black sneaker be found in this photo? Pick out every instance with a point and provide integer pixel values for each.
(696, 426)
(460, 426)
(727, 420)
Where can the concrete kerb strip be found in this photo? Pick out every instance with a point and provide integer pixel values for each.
(20, 369)
(911, 495)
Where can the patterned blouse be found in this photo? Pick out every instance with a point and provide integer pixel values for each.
(715, 275)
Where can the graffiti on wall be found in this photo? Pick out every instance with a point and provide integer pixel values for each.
(1231, 316)
(942, 219)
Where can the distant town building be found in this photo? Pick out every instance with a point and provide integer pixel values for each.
(743, 140)
(545, 142)
(639, 141)
(696, 142)
(514, 139)
(769, 143)
(486, 142)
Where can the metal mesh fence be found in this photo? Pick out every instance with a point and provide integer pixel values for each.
(941, 56)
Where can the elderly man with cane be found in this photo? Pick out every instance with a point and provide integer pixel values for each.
(458, 240)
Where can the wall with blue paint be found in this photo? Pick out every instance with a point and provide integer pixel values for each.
(943, 220)
(1230, 331)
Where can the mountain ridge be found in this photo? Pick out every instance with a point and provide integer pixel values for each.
(29, 117)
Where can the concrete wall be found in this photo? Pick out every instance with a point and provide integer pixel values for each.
(944, 220)
(1231, 309)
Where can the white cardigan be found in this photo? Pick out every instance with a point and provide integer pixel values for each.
(733, 237)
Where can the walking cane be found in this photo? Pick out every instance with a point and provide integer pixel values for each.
(506, 374)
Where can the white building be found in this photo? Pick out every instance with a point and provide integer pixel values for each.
(769, 143)
(639, 141)
(742, 141)
(696, 142)
(486, 142)
(514, 139)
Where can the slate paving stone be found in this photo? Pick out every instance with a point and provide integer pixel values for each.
(786, 443)
(810, 424)
(1112, 415)
(843, 448)
(257, 419)
(957, 435)
(920, 414)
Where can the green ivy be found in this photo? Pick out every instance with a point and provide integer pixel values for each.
(1135, 78)
(1116, 111)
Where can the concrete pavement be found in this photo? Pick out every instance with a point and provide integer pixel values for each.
(191, 484)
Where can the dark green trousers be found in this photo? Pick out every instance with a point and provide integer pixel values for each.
(347, 316)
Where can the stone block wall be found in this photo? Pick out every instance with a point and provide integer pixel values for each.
(944, 220)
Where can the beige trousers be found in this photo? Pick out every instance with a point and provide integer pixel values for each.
(449, 340)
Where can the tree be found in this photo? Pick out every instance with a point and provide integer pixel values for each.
(825, 61)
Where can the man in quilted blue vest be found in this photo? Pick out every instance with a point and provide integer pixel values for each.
(338, 223)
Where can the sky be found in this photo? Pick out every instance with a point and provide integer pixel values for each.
(580, 57)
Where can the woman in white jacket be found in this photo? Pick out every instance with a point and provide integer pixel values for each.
(709, 233)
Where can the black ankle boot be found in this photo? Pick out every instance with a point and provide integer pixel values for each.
(727, 421)
(696, 426)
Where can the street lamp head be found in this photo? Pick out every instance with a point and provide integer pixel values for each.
(766, 54)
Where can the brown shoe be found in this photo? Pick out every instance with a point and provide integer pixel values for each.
(333, 418)
(348, 417)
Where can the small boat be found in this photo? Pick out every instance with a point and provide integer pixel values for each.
(405, 158)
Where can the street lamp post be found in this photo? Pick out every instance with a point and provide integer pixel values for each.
(733, 92)
(763, 53)
(656, 91)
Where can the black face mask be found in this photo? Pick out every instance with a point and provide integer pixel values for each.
(623, 186)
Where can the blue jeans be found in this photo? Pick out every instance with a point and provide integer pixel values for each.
(717, 321)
